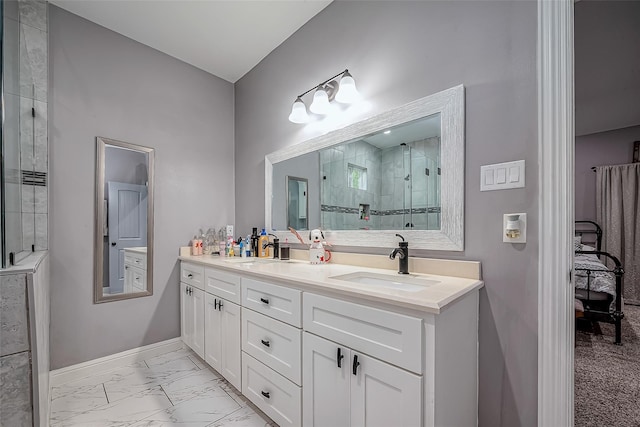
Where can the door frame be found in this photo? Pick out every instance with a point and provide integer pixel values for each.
(556, 146)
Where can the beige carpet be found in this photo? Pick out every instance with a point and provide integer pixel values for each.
(607, 376)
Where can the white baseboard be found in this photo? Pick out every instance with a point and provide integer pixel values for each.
(107, 363)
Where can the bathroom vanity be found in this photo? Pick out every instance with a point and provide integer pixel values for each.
(336, 344)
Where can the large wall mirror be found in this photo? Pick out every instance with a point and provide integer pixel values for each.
(400, 170)
(123, 252)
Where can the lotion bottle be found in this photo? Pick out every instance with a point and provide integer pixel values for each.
(262, 241)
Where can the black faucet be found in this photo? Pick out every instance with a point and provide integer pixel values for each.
(402, 251)
(275, 245)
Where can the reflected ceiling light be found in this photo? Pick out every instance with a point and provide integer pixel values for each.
(345, 92)
(387, 132)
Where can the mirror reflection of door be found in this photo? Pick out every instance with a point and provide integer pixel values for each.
(127, 224)
(125, 236)
(297, 202)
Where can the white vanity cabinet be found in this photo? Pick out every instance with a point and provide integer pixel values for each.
(192, 307)
(271, 349)
(343, 387)
(222, 325)
(318, 358)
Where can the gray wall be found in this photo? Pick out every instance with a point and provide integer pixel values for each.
(607, 65)
(398, 52)
(103, 84)
(604, 148)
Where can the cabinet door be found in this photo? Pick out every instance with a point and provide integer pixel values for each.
(383, 395)
(186, 316)
(212, 330)
(197, 297)
(231, 363)
(325, 395)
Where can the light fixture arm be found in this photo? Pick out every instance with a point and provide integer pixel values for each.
(323, 83)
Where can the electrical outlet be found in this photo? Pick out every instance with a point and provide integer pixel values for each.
(509, 233)
(229, 230)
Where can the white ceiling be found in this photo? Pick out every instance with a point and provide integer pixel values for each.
(224, 38)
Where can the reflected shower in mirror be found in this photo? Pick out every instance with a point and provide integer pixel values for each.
(124, 221)
(388, 180)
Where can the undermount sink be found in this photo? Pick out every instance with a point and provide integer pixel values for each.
(408, 283)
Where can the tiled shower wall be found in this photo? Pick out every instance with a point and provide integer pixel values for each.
(388, 194)
(406, 183)
(25, 64)
(343, 200)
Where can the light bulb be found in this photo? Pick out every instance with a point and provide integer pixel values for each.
(347, 92)
(320, 104)
(299, 112)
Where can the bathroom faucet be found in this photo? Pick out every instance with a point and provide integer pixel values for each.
(275, 245)
(402, 251)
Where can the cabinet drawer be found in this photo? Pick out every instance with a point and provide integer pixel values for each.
(192, 274)
(222, 284)
(278, 397)
(389, 336)
(273, 343)
(139, 280)
(272, 300)
(135, 259)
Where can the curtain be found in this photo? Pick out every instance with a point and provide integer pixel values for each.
(617, 206)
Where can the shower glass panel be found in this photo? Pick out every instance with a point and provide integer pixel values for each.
(23, 148)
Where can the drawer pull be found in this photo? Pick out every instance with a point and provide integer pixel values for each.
(340, 357)
(189, 275)
(264, 300)
(265, 343)
(266, 394)
(355, 364)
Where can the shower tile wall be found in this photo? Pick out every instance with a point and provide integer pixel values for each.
(420, 192)
(25, 64)
(336, 193)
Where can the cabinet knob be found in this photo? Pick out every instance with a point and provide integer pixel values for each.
(265, 343)
(266, 394)
(355, 364)
(340, 356)
(264, 300)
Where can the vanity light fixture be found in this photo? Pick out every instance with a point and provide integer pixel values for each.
(345, 92)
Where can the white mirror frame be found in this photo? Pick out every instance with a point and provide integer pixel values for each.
(450, 104)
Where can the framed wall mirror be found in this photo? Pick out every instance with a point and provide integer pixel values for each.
(400, 171)
(123, 250)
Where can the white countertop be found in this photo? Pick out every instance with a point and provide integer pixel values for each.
(433, 298)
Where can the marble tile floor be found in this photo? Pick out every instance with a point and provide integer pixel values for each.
(173, 389)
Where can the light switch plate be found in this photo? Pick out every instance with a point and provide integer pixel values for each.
(522, 238)
(502, 176)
